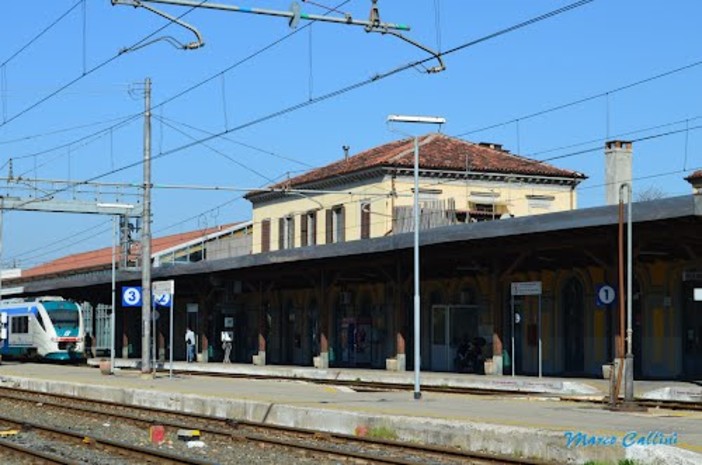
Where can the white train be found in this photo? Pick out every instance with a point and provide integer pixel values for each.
(48, 328)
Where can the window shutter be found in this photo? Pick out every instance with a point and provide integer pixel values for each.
(265, 235)
(281, 233)
(313, 228)
(291, 232)
(342, 223)
(303, 230)
(365, 220)
(330, 225)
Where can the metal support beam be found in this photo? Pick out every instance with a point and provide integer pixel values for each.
(69, 206)
(146, 236)
(293, 16)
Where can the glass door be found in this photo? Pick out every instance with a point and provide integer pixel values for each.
(440, 360)
(452, 326)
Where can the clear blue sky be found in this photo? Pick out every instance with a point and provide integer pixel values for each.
(599, 47)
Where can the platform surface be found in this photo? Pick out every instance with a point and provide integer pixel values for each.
(529, 425)
(577, 387)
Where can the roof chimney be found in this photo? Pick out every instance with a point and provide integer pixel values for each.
(492, 145)
(346, 151)
(618, 162)
(695, 180)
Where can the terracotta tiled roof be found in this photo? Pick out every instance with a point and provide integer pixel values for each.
(102, 258)
(696, 176)
(436, 151)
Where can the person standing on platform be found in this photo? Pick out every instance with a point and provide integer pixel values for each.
(88, 342)
(190, 344)
(227, 345)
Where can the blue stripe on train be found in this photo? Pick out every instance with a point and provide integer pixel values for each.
(63, 356)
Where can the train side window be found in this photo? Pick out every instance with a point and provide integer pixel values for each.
(20, 325)
(40, 320)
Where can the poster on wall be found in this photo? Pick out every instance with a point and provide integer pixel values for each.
(363, 340)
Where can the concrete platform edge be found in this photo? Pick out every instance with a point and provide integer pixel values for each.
(491, 438)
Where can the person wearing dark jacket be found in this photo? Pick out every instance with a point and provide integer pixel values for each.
(88, 343)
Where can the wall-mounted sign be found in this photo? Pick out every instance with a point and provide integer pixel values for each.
(605, 295)
(526, 288)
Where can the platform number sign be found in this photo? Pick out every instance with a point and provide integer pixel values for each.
(164, 300)
(131, 296)
(163, 292)
(605, 295)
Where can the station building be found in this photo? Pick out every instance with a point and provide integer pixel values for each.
(322, 276)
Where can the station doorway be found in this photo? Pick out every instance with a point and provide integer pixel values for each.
(450, 325)
(573, 324)
(692, 331)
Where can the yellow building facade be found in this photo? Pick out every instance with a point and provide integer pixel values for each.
(371, 194)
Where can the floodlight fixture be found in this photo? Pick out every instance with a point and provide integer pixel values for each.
(416, 119)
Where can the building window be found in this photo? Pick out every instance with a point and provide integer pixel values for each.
(266, 235)
(365, 220)
(484, 208)
(286, 233)
(540, 202)
(335, 224)
(308, 228)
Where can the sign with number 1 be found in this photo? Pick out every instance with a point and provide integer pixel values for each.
(605, 295)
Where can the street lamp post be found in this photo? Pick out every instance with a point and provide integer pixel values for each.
(417, 334)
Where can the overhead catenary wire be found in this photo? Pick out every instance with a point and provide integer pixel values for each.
(3, 91)
(437, 23)
(89, 71)
(31, 254)
(337, 92)
(184, 92)
(343, 90)
(85, 35)
(242, 144)
(84, 141)
(349, 228)
(585, 99)
(78, 261)
(311, 67)
(621, 134)
(41, 33)
(377, 77)
(640, 139)
(219, 152)
(63, 130)
(238, 63)
(597, 149)
(361, 194)
(224, 102)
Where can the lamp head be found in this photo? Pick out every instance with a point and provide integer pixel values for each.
(416, 119)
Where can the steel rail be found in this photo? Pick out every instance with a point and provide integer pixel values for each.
(229, 426)
(119, 447)
(17, 449)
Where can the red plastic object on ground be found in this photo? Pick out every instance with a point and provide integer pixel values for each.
(157, 434)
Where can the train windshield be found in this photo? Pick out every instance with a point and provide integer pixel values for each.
(64, 318)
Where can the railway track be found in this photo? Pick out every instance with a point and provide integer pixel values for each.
(10, 449)
(365, 450)
(107, 446)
